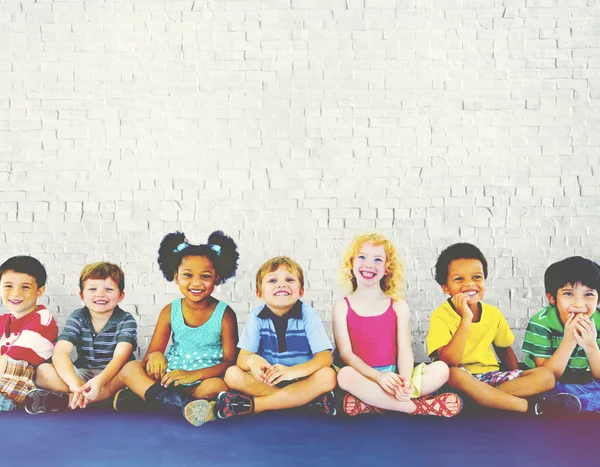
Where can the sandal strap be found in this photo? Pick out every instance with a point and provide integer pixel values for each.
(437, 406)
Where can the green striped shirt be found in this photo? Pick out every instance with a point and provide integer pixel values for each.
(544, 334)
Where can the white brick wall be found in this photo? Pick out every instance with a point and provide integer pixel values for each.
(293, 126)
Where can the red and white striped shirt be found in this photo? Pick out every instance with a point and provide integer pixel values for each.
(30, 338)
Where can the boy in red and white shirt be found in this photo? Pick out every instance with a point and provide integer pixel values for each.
(28, 333)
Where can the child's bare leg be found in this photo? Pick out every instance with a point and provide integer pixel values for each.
(484, 394)
(242, 381)
(530, 383)
(299, 393)
(434, 376)
(209, 389)
(46, 377)
(134, 376)
(370, 392)
(110, 388)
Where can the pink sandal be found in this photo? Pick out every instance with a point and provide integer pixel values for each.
(354, 406)
(437, 405)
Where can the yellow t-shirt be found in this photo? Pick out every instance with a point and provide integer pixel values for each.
(478, 356)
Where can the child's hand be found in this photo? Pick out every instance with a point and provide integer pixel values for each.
(157, 365)
(90, 391)
(177, 377)
(460, 304)
(389, 381)
(405, 391)
(259, 367)
(585, 332)
(570, 334)
(78, 399)
(278, 373)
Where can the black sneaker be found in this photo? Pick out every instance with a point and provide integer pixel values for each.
(230, 404)
(126, 400)
(44, 401)
(325, 403)
(556, 404)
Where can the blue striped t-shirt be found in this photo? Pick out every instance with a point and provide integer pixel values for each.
(304, 336)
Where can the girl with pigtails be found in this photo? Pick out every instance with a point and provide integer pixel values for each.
(187, 377)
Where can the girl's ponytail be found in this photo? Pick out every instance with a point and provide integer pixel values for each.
(226, 258)
(169, 253)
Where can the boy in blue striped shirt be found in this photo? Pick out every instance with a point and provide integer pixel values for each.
(285, 354)
(105, 337)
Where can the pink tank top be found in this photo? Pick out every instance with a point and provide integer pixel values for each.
(374, 338)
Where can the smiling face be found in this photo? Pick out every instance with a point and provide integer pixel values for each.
(369, 265)
(101, 295)
(578, 298)
(196, 278)
(280, 289)
(465, 275)
(20, 292)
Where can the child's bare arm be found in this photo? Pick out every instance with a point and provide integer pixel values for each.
(344, 345)
(156, 363)
(452, 352)
(406, 358)
(278, 373)
(61, 360)
(586, 336)
(507, 357)
(558, 362)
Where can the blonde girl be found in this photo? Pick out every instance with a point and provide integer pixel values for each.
(372, 332)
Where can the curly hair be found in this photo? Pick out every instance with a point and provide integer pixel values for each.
(174, 247)
(392, 284)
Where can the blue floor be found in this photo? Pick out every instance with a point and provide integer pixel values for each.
(101, 438)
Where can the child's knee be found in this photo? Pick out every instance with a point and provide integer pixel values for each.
(234, 377)
(546, 377)
(345, 377)
(130, 368)
(457, 376)
(326, 379)
(440, 370)
(42, 373)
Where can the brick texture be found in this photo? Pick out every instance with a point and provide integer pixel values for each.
(293, 126)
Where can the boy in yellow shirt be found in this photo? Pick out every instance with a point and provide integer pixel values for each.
(462, 332)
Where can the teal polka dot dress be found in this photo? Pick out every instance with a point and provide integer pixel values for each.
(195, 348)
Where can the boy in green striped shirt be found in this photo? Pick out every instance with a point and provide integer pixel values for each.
(564, 336)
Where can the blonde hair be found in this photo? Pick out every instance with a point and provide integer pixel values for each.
(274, 264)
(102, 270)
(392, 284)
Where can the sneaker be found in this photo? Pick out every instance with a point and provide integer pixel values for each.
(325, 403)
(556, 404)
(126, 400)
(230, 404)
(199, 412)
(6, 404)
(44, 401)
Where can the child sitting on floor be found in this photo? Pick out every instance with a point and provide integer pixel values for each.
(103, 334)
(372, 335)
(27, 333)
(285, 355)
(564, 336)
(204, 334)
(462, 332)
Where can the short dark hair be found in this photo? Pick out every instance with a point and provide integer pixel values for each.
(457, 251)
(26, 265)
(572, 270)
